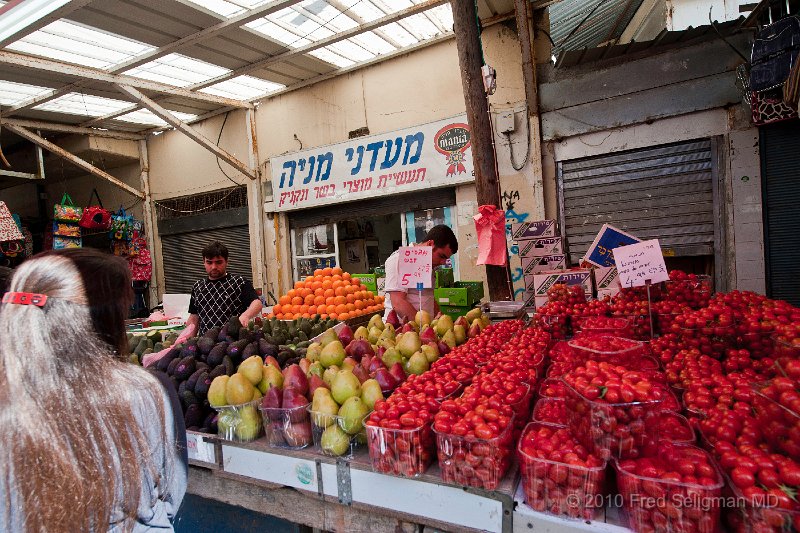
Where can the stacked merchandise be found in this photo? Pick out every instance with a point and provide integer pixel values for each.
(12, 240)
(66, 224)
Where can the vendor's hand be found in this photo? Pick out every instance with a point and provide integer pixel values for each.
(243, 321)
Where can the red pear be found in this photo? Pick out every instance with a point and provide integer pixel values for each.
(358, 348)
(376, 365)
(298, 434)
(269, 360)
(294, 377)
(381, 351)
(345, 335)
(361, 373)
(428, 335)
(365, 362)
(295, 403)
(474, 331)
(314, 383)
(393, 319)
(398, 373)
(273, 399)
(407, 327)
(461, 321)
(444, 349)
(386, 380)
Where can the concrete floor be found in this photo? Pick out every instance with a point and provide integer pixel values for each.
(200, 515)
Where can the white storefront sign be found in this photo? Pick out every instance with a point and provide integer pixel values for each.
(437, 154)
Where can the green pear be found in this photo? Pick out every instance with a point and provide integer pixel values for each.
(352, 413)
(449, 339)
(329, 374)
(345, 385)
(376, 322)
(361, 333)
(391, 356)
(316, 368)
(323, 407)
(251, 368)
(256, 394)
(313, 351)
(334, 441)
(374, 335)
(477, 322)
(460, 333)
(371, 393)
(386, 343)
(431, 352)
(238, 390)
(216, 392)
(388, 332)
(332, 354)
(349, 364)
(423, 318)
(473, 314)
(272, 377)
(417, 363)
(328, 337)
(249, 424)
(443, 324)
(409, 344)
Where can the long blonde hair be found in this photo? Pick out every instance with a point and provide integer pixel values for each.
(73, 453)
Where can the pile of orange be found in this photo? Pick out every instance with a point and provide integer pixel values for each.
(331, 293)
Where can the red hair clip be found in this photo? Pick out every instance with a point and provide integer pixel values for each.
(25, 298)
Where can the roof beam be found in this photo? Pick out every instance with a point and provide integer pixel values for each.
(13, 174)
(93, 75)
(20, 19)
(363, 28)
(187, 130)
(57, 150)
(63, 128)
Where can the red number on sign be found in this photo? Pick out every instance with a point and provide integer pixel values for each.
(405, 280)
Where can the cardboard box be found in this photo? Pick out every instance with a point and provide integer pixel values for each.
(538, 284)
(381, 283)
(540, 247)
(599, 252)
(606, 278)
(533, 230)
(534, 265)
(532, 301)
(602, 293)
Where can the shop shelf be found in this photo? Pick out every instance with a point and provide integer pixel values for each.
(559, 488)
(655, 504)
(401, 452)
(287, 427)
(475, 462)
(609, 430)
(601, 325)
(780, 425)
(239, 423)
(626, 351)
(335, 436)
(551, 411)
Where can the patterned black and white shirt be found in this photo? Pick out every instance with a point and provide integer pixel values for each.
(216, 301)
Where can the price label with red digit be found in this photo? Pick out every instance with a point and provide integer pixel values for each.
(415, 267)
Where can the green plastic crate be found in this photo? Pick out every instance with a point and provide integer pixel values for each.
(444, 278)
(463, 293)
(455, 311)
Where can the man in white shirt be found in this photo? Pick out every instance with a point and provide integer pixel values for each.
(406, 301)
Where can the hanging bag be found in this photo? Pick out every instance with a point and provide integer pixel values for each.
(121, 226)
(9, 230)
(141, 264)
(775, 49)
(66, 211)
(96, 217)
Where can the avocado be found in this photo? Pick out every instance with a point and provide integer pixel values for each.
(157, 347)
(212, 334)
(235, 350)
(205, 345)
(234, 326)
(283, 356)
(223, 333)
(194, 415)
(250, 350)
(302, 337)
(192, 381)
(292, 361)
(202, 386)
(244, 334)
(189, 349)
(133, 359)
(230, 368)
(211, 422)
(265, 349)
(183, 387)
(154, 336)
(185, 368)
(188, 398)
(216, 354)
(218, 371)
(141, 347)
(133, 342)
(173, 364)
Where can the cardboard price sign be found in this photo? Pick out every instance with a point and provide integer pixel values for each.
(609, 238)
(415, 267)
(640, 263)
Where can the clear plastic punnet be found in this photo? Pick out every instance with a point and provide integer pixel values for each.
(336, 435)
(239, 423)
(551, 411)
(608, 348)
(401, 452)
(779, 422)
(288, 427)
(601, 325)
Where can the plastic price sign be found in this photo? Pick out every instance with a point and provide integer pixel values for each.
(415, 267)
(641, 263)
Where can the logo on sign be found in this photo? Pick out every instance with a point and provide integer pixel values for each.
(304, 473)
(453, 141)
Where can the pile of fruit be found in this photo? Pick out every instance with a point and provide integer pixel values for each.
(330, 293)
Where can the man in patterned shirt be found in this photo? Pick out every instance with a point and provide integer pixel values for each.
(220, 296)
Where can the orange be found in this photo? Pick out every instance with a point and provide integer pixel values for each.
(319, 292)
(327, 271)
(308, 300)
(339, 300)
(362, 287)
(298, 284)
(333, 316)
(312, 309)
(327, 284)
(304, 309)
(319, 300)
(341, 308)
(346, 275)
(276, 308)
(350, 307)
(350, 298)
(337, 277)
(359, 304)
(318, 272)
(344, 316)
(336, 271)
(284, 300)
(329, 292)
(330, 300)
(297, 300)
(316, 285)
(291, 293)
(339, 291)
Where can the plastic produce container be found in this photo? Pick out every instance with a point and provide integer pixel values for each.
(667, 426)
(692, 292)
(626, 351)
(601, 325)
(559, 488)
(779, 423)
(552, 388)
(240, 423)
(336, 436)
(556, 325)
(785, 350)
(475, 462)
(705, 339)
(760, 344)
(551, 411)
(609, 429)
(662, 322)
(401, 452)
(288, 427)
(639, 327)
(655, 504)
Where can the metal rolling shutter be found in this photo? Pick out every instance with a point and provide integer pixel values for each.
(780, 149)
(183, 239)
(664, 192)
(387, 205)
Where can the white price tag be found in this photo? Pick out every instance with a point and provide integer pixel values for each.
(198, 449)
(639, 263)
(415, 267)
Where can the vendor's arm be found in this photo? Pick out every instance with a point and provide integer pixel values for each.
(401, 305)
(253, 311)
(193, 320)
(194, 317)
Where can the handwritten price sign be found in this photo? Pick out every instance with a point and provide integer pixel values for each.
(415, 267)
(639, 263)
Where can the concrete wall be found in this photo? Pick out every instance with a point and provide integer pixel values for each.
(21, 200)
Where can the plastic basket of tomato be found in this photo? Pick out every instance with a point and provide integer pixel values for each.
(676, 489)
(400, 452)
(472, 461)
(556, 325)
(559, 476)
(552, 388)
(693, 290)
(667, 426)
(601, 325)
(608, 348)
(551, 411)
(776, 404)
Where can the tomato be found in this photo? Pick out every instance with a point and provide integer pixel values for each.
(742, 477)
